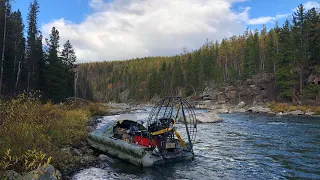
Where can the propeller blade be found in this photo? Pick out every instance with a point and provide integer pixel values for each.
(182, 143)
(161, 131)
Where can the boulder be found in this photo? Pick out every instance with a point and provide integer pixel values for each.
(280, 114)
(296, 113)
(241, 105)
(88, 159)
(66, 150)
(46, 172)
(310, 113)
(259, 109)
(237, 110)
(209, 117)
(103, 157)
(77, 152)
(221, 99)
(86, 150)
(106, 159)
(12, 175)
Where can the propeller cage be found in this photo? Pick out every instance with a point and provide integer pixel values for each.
(172, 125)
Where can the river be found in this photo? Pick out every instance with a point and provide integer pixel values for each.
(244, 146)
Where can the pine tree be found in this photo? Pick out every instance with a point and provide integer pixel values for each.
(284, 76)
(300, 44)
(313, 31)
(32, 50)
(69, 58)
(263, 47)
(249, 57)
(189, 88)
(152, 84)
(271, 53)
(177, 78)
(56, 81)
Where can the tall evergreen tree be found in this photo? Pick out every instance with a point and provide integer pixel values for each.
(69, 58)
(300, 43)
(284, 76)
(32, 50)
(56, 71)
(177, 78)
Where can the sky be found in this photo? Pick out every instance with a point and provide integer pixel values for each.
(105, 30)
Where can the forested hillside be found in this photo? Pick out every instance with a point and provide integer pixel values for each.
(291, 52)
(28, 66)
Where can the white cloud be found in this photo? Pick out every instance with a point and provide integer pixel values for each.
(308, 5)
(311, 4)
(124, 29)
(266, 19)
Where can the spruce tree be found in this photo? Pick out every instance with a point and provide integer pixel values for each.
(299, 34)
(69, 58)
(33, 56)
(284, 74)
(56, 82)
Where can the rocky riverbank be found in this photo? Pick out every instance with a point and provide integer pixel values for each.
(263, 108)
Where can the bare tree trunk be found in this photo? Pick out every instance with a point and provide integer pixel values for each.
(294, 98)
(18, 74)
(4, 46)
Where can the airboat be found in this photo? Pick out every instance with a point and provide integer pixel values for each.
(167, 135)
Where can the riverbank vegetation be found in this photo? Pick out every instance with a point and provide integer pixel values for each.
(287, 107)
(32, 133)
(290, 52)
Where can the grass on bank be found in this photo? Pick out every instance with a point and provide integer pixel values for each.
(286, 107)
(33, 133)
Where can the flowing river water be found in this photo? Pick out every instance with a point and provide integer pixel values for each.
(243, 146)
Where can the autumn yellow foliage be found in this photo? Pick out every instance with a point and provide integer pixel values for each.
(286, 107)
(29, 127)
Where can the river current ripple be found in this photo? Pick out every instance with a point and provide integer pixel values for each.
(244, 146)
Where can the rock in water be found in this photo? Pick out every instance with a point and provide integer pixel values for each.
(209, 117)
(296, 113)
(310, 113)
(106, 159)
(12, 175)
(259, 109)
(46, 172)
(103, 157)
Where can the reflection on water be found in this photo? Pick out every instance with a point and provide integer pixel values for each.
(244, 146)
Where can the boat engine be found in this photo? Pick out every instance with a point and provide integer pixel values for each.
(172, 127)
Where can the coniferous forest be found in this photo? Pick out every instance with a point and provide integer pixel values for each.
(290, 52)
(28, 66)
